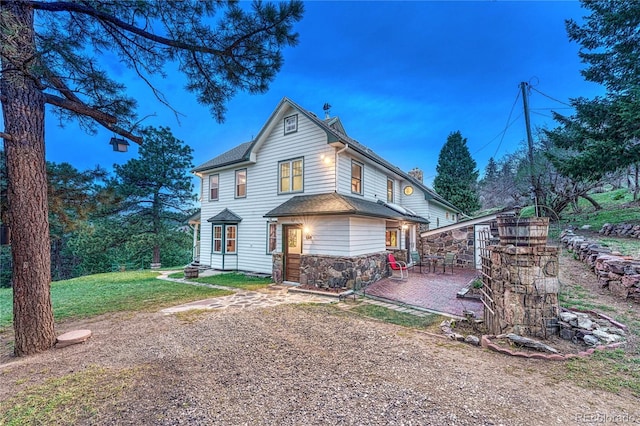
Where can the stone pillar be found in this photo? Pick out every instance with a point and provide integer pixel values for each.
(277, 273)
(522, 291)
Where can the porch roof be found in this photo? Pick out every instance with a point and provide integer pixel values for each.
(225, 216)
(338, 204)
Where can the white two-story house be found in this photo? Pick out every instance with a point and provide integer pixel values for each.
(307, 204)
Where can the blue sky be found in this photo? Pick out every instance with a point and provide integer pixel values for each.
(401, 76)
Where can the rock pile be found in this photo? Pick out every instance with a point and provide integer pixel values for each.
(620, 274)
(591, 328)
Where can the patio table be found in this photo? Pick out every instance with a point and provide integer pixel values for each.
(432, 259)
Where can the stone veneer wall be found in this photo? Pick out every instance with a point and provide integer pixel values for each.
(335, 271)
(522, 291)
(459, 241)
(339, 272)
(620, 274)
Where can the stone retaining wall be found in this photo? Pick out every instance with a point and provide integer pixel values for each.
(621, 230)
(620, 274)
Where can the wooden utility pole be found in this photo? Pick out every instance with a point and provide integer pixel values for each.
(527, 121)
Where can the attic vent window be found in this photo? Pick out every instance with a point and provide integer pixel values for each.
(291, 124)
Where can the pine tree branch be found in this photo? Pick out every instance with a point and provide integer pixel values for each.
(72, 103)
(86, 10)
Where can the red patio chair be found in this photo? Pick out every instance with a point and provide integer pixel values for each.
(398, 266)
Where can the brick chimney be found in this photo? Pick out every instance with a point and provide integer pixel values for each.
(417, 174)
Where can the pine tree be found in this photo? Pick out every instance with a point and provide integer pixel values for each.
(52, 52)
(602, 136)
(155, 189)
(457, 177)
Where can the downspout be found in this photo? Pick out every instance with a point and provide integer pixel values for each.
(335, 179)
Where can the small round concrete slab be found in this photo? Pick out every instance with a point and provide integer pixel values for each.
(72, 338)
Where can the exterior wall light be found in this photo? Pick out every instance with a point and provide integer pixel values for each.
(307, 234)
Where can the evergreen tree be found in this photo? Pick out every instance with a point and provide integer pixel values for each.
(602, 136)
(457, 177)
(51, 52)
(155, 189)
(73, 196)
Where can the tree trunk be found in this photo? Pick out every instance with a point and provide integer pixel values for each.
(156, 253)
(636, 181)
(593, 202)
(23, 110)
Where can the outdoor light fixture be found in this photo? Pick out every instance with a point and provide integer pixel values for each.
(119, 144)
(307, 234)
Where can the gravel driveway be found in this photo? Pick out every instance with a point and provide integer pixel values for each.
(309, 365)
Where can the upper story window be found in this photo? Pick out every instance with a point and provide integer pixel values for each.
(390, 190)
(241, 183)
(356, 177)
(291, 124)
(214, 187)
(291, 176)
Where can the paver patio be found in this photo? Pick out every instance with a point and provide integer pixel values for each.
(435, 291)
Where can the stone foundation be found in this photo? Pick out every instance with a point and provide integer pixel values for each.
(324, 271)
(342, 272)
(521, 286)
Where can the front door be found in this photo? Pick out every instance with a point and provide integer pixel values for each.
(292, 250)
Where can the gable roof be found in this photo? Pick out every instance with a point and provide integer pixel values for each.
(234, 155)
(335, 134)
(335, 204)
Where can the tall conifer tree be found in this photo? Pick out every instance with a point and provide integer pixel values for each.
(457, 176)
(52, 53)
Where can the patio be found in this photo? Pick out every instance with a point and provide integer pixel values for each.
(434, 291)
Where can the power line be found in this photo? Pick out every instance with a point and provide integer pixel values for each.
(550, 97)
(504, 131)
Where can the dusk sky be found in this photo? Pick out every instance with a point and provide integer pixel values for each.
(400, 75)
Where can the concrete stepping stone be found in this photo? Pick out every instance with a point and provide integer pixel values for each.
(72, 338)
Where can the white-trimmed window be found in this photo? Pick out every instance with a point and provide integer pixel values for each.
(214, 187)
(217, 239)
(230, 239)
(391, 238)
(390, 190)
(291, 176)
(241, 183)
(291, 124)
(272, 232)
(356, 177)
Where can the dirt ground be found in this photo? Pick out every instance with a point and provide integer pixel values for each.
(311, 365)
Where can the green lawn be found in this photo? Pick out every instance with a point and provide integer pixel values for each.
(112, 292)
(394, 317)
(231, 279)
